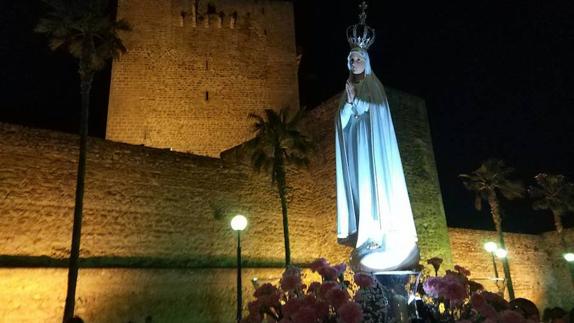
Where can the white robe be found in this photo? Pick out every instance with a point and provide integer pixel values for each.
(373, 209)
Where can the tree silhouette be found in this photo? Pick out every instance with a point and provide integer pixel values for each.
(488, 183)
(86, 31)
(279, 142)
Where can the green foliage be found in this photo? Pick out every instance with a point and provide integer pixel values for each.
(552, 192)
(278, 142)
(86, 30)
(490, 179)
(278, 138)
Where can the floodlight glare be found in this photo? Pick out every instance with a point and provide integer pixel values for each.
(490, 246)
(569, 256)
(501, 253)
(238, 223)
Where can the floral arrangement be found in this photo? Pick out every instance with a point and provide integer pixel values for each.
(455, 298)
(326, 301)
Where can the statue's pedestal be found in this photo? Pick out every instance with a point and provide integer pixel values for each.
(396, 292)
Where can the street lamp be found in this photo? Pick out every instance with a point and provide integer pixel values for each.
(491, 247)
(501, 253)
(238, 223)
(569, 256)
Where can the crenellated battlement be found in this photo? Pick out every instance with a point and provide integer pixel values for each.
(195, 69)
(218, 14)
(208, 19)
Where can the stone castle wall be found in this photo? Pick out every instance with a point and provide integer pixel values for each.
(190, 78)
(148, 209)
(144, 205)
(538, 271)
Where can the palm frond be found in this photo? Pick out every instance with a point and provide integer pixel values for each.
(553, 192)
(278, 138)
(492, 177)
(85, 30)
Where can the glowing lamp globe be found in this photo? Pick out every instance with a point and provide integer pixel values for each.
(490, 246)
(238, 223)
(501, 253)
(569, 256)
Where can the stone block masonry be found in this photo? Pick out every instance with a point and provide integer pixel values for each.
(538, 271)
(146, 206)
(191, 77)
(156, 230)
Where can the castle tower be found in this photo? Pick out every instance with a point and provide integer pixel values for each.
(195, 69)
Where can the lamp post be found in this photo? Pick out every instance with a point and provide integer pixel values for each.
(491, 247)
(238, 223)
(500, 253)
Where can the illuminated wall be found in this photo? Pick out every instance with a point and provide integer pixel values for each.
(126, 295)
(149, 209)
(189, 79)
(537, 268)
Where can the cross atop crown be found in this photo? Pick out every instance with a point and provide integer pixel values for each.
(360, 35)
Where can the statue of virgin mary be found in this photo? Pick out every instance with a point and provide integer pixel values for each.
(373, 209)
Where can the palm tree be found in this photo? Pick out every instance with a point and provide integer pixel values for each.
(86, 31)
(278, 142)
(488, 182)
(554, 193)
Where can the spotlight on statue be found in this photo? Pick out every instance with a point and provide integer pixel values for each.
(238, 223)
(569, 256)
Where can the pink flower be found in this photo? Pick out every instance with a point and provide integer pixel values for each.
(462, 270)
(435, 262)
(454, 291)
(337, 297)
(510, 316)
(477, 300)
(350, 312)
(496, 301)
(252, 319)
(267, 295)
(326, 287)
(291, 279)
(254, 307)
(314, 288)
(309, 300)
(455, 276)
(340, 268)
(291, 307)
(322, 310)
(317, 264)
(328, 273)
(305, 315)
(474, 286)
(265, 289)
(487, 311)
(364, 280)
(431, 286)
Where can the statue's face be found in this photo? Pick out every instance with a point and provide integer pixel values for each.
(357, 63)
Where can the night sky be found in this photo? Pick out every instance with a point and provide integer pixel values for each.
(497, 78)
